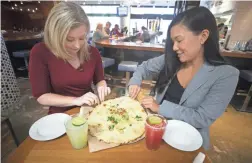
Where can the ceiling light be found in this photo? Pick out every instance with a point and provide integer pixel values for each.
(21, 2)
(38, 1)
(33, 11)
(36, 8)
(15, 4)
(21, 9)
(12, 8)
(28, 9)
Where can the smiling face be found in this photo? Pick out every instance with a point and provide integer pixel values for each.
(186, 44)
(75, 39)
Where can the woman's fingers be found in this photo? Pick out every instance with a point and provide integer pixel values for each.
(93, 98)
(147, 105)
(147, 100)
(101, 93)
(109, 90)
(133, 91)
(137, 91)
(130, 91)
(85, 101)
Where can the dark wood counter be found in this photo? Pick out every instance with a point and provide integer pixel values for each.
(17, 42)
(158, 48)
(236, 54)
(19, 36)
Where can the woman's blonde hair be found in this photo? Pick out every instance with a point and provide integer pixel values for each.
(99, 26)
(62, 18)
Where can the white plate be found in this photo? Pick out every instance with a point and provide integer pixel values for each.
(182, 136)
(49, 127)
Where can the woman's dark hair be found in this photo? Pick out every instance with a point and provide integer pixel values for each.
(196, 20)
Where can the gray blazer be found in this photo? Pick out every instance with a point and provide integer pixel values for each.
(204, 99)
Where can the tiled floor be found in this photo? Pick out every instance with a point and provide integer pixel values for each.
(231, 134)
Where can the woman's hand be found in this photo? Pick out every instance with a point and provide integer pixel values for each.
(103, 90)
(150, 103)
(134, 90)
(88, 98)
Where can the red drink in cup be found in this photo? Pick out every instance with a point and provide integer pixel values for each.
(154, 130)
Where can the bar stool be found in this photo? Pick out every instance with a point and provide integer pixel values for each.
(247, 75)
(106, 62)
(127, 66)
(22, 54)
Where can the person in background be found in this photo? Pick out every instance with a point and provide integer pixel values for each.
(106, 29)
(220, 29)
(225, 31)
(98, 34)
(194, 83)
(220, 26)
(125, 30)
(63, 67)
(115, 31)
(145, 35)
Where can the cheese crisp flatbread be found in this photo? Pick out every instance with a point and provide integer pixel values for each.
(119, 120)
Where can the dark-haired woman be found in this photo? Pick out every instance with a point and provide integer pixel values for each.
(194, 83)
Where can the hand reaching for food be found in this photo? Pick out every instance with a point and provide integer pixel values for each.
(103, 91)
(150, 103)
(88, 98)
(134, 90)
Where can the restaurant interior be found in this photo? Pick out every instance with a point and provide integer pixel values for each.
(22, 26)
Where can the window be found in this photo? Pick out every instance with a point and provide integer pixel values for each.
(151, 10)
(101, 14)
(140, 15)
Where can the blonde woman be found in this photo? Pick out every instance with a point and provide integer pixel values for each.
(98, 35)
(64, 66)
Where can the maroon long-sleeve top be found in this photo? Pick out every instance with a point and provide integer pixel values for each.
(49, 74)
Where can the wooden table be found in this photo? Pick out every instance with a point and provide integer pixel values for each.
(160, 48)
(61, 151)
(131, 45)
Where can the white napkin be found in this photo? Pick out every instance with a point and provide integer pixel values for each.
(199, 158)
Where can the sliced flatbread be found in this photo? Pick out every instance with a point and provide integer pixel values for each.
(119, 120)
